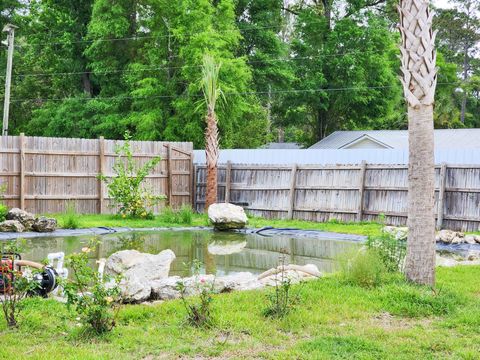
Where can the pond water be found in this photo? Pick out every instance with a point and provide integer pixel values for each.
(220, 253)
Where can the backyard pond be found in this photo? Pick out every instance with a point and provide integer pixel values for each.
(221, 253)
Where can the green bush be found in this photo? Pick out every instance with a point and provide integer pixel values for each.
(364, 268)
(391, 251)
(127, 188)
(3, 211)
(86, 292)
(71, 218)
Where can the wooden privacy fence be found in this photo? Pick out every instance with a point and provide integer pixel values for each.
(42, 175)
(345, 192)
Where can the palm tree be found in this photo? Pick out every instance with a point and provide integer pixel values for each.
(419, 82)
(211, 92)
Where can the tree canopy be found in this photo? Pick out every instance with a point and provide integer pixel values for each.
(291, 70)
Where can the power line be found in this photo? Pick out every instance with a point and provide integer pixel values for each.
(134, 38)
(115, 71)
(350, 88)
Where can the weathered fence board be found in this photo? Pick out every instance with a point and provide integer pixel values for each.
(42, 174)
(345, 192)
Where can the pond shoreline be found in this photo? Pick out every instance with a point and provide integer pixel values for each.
(265, 231)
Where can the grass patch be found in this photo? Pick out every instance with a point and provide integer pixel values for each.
(186, 217)
(334, 320)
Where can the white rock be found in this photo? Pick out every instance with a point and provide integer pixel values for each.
(400, 233)
(225, 216)
(451, 237)
(238, 282)
(226, 247)
(477, 238)
(27, 219)
(445, 261)
(139, 271)
(11, 226)
(470, 239)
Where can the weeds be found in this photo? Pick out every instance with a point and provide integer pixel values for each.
(364, 268)
(182, 216)
(199, 311)
(13, 286)
(281, 301)
(71, 218)
(391, 251)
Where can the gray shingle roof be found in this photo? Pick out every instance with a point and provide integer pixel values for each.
(398, 139)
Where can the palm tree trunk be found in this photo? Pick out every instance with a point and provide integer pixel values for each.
(419, 82)
(211, 151)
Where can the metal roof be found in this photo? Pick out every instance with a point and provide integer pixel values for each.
(334, 156)
(398, 139)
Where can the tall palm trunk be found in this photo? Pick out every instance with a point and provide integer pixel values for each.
(211, 151)
(211, 93)
(419, 82)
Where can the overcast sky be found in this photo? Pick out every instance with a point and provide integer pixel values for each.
(441, 3)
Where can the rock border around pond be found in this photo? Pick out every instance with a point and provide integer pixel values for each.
(18, 221)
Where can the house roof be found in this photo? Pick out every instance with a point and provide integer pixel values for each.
(286, 145)
(398, 139)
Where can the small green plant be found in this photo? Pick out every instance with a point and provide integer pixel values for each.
(391, 251)
(199, 312)
(182, 216)
(13, 286)
(87, 292)
(3, 207)
(281, 301)
(364, 268)
(71, 218)
(127, 188)
(3, 212)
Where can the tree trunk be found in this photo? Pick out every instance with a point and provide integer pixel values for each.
(419, 82)
(420, 262)
(465, 76)
(211, 151)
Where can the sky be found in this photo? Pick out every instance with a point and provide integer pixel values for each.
(441, 3)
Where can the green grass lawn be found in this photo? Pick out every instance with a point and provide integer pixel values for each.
(88, 221)
(333, 320)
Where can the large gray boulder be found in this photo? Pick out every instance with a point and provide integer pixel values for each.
(11, 226)
(139, 271)
(44, 224)
(225, 216)
(24, 217)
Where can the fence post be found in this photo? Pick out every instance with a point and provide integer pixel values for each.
(101, 170)
(169, 174)
(291, 200)
(361, 190)
(192, 180)
(228, 181)
(22, 171)
(441, 195)
(194, 188)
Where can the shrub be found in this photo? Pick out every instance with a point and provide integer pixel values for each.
(87, 292)
(126, 188)
(363, 268)
(3, 211)
(71, 218)
(198, 309)
(391, 251)
(13, 287)
(281, 301)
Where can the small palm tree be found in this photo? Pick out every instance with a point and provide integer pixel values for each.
(419, 82)
(211, 93)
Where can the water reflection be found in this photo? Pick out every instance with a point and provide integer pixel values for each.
(221, 253)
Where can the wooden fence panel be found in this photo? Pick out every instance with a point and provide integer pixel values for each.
(345, 192)
(56, 171)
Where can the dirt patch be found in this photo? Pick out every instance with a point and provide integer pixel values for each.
(388, 322)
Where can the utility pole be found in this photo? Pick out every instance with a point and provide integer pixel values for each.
(10, 29)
